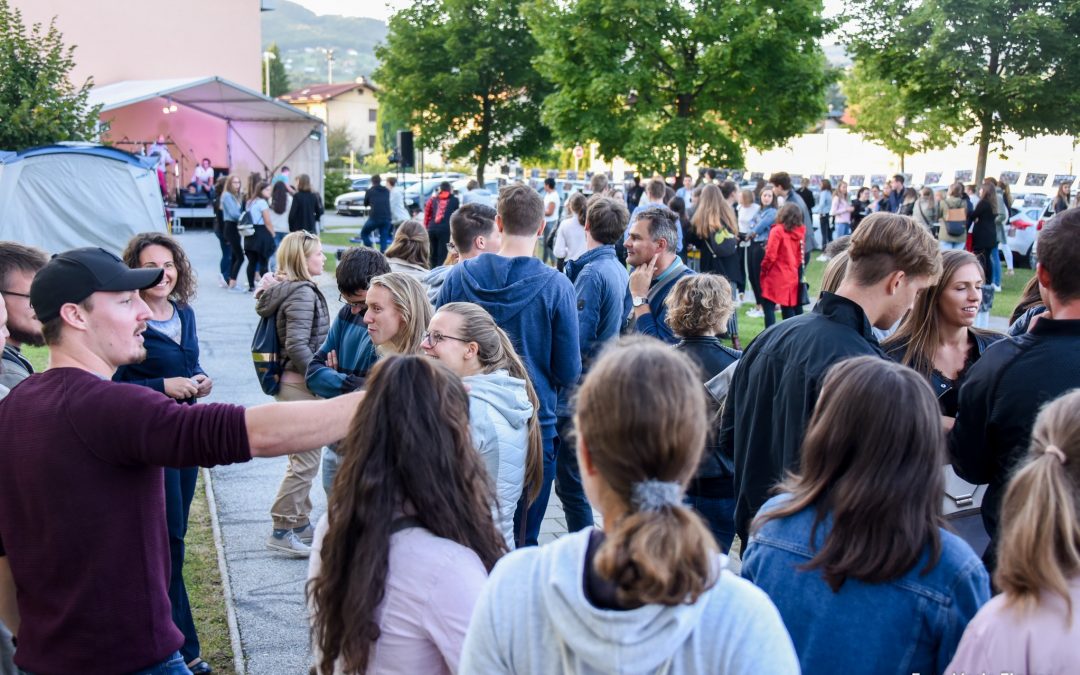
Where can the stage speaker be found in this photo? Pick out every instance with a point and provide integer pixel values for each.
(406, 151)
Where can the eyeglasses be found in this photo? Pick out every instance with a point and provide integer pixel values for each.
(341, 298)
(435, 338)
(21, 295)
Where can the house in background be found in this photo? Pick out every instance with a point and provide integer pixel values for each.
(352, 105)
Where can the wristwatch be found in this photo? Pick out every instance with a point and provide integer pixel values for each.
(639, 300)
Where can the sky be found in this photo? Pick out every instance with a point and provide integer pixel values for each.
(382, 9)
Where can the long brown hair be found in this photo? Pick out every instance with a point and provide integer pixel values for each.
(409, 450)
(411, 244)
(184, 291)
(1029, 297)
(1040, 515)
(495, 351)
(921, 328)
(711, 212)
(880, 482)
(635, 434)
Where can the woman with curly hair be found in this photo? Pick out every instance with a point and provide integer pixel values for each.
(410, 250)
(172, 368)
(698, 309)
(405, 547)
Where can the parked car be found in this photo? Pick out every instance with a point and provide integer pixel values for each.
(1023, 231)
(352, 203)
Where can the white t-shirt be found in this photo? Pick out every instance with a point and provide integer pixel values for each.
(570, 239)
(747, 214)
(551, 198)
(202, 175)
(281, 220)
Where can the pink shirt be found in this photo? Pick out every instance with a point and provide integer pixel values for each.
(432, 586)
(1003, 639)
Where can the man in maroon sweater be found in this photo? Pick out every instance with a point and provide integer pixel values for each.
(84, 552)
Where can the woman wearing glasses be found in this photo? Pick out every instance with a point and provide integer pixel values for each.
(502, 403)
(302, 321)
(397, 313)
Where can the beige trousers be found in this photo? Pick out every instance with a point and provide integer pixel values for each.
(292, 506)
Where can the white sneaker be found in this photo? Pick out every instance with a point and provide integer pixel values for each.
(289, 544)
(755, 313)
(823, 258)
(997, 288)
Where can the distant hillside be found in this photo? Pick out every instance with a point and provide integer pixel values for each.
(300, 33)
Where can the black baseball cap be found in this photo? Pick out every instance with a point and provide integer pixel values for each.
(73, 276)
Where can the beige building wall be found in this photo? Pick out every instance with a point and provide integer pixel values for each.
(120, 40)
(356, 110)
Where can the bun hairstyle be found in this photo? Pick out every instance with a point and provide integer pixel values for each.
(646, 443)
(1040, 535)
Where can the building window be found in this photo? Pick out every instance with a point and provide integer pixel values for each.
(372, 114)
(371, 141)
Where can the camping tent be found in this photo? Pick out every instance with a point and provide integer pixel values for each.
(238, 129)
(60, 197)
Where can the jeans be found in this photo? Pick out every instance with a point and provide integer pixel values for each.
(278, 236)
(534, 515)
(951, 245)
(842, 230)
(179, 491)
(568, 485)
(174, 665)
(380, 226)
(331, 461)
(1008, 254)
(226, 252)
(719, 515)
(995, 266)
(826, 230)
(769, 307)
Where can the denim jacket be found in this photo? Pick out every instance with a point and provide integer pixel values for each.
(909, 625)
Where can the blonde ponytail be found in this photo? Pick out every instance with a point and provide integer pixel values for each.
(496, 352)
(1040, 543)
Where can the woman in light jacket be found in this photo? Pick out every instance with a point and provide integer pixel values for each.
(1033, 626)
(502, 403)
(408, 252)
(302, 321)
(824, 210)
(231, 208)
(927, 212)
(648, 593)
(841, 210)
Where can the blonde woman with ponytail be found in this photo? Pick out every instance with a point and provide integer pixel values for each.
(1033, 626)
(502, 403)
(648, 594)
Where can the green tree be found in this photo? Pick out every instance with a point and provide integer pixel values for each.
(995, 66)
(339, 144)
(655, 81)
(38, 104)
(460, 73)
(279, 79)
(884, 114)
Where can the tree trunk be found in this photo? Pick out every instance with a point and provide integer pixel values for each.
(485, 148)
(984, 150)
(901, 155)
(684, 104)
(682, 164)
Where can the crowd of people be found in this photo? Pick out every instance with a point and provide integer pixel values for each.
(444, 405)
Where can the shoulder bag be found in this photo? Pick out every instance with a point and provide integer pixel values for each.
(245, 226)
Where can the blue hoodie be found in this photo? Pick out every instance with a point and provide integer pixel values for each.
(534, 304)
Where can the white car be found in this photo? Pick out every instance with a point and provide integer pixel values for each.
(1023, 230)
(351, 203)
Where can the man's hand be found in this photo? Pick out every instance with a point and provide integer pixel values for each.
(331, 360)
(180, 388)
(642, 277)
(204, 383)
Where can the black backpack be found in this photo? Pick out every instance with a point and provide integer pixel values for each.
(266, 354)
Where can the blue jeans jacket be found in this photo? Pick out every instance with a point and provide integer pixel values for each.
(910, 625)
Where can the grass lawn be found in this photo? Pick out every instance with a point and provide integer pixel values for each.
(200, 568)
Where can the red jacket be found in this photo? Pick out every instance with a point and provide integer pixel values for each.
(780, 268)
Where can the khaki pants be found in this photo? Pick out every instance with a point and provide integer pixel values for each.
(292, 506)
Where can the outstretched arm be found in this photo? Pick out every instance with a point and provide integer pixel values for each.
(283, 428)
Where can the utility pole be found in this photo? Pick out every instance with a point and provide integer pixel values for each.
(266, 72)
(329, 66)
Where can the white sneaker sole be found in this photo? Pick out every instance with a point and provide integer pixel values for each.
(288, 550)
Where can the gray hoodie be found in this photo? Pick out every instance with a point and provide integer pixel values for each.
(499, 412)
(532, 618)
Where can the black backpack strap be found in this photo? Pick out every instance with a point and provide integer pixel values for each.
(404, 523)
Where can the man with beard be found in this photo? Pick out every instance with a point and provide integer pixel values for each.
(18, 265)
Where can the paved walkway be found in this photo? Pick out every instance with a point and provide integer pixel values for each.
(267, 589)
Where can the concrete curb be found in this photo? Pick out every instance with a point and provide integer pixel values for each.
(223, 570)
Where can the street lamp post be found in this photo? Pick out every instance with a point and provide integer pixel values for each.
(266, 70)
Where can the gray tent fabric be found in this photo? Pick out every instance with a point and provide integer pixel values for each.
(62, 197)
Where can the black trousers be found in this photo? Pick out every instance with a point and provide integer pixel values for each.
(754, 255)
(769, 307)
(439, 238)
(826, 230)
(236, 249)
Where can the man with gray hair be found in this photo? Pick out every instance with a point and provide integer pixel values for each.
(655, 192)
(651, 248)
